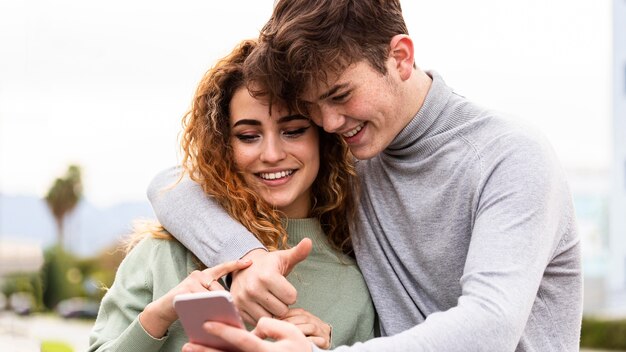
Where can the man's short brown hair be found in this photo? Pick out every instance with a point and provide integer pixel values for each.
(305, 40)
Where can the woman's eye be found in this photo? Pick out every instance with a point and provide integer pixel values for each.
(296, 132)
(247, 138)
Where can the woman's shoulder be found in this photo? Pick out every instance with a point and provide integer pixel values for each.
(151, 247)
(166, 259)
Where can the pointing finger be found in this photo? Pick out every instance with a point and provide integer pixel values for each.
(225, 268)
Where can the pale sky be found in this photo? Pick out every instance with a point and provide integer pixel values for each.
(105, 84)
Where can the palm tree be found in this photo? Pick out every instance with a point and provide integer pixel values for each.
(63, 197)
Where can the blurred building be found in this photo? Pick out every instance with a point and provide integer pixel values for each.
(590, 190)
(600, 200)
(617, 224)
(19, 257)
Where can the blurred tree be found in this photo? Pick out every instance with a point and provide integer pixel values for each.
(63, 197)
(59, 276)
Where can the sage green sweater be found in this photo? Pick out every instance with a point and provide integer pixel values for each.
(329, 285)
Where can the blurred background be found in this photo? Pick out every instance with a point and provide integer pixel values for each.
(92, 95)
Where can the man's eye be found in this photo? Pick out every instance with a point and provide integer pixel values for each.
(247, 138)
(296, 132)
(341, 97)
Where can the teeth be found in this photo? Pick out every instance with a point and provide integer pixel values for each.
(354, 131)
(275, 175)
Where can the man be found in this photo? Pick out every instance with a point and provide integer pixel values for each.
(465, 232)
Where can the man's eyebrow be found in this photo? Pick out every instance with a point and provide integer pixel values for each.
(247, 122)
(291, 118)
(332, 91)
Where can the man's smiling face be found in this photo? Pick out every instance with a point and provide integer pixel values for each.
(362, 105)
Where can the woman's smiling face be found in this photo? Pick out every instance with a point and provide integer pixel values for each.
(277, 153)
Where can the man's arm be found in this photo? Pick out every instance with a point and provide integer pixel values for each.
(197, 221)
(203, 226)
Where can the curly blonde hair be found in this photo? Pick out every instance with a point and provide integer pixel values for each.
(207, 158)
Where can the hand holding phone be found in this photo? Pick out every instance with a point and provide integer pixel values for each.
(194, 309)
(158, 315)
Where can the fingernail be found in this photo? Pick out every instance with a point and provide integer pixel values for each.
(187, 348)
(244, 261)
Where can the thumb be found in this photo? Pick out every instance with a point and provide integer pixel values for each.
(291, 257)
(275, 329)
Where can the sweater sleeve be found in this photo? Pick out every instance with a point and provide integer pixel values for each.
(197, 221)
(522, 222)
(117, 326)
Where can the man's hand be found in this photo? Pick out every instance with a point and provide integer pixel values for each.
(262, 289)
(311, 326)
(287, 337)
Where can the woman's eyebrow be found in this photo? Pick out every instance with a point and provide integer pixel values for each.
(247, 122)
(291, 118)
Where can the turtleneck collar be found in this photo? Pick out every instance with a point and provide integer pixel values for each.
(298, 229)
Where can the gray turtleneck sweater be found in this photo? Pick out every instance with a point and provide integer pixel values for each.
(465, 234)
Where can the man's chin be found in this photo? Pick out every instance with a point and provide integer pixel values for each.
(363, 153)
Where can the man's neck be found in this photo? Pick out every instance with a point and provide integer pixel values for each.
(418, 86)
(424, 81)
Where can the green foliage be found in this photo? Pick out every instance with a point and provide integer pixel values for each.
(24, 282)
(103, 273)
(102, 279)
(603, 334)
(61, 276)
(18, 282)
(64, 275)
(55, 346)
(63, 197)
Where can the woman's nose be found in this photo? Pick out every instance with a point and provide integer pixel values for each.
(273, 150)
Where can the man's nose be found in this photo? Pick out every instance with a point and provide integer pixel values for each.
(273, 150)
(331, 119)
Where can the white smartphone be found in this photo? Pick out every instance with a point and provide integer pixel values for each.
(194, 309)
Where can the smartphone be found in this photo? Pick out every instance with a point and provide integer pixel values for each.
(194, 309)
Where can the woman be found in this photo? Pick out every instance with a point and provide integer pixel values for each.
(280, 176)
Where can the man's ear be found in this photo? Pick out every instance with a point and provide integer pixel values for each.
(401, 50)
